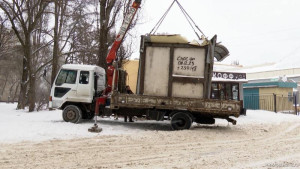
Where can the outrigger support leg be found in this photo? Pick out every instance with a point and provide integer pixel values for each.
(95, 128)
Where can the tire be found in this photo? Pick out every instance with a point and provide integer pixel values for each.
(72, 113)
(181, 121)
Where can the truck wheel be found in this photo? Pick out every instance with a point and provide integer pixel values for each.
(72, 114)
(181, 121)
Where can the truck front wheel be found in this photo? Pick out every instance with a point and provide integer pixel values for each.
(72, 113)
(181, 121)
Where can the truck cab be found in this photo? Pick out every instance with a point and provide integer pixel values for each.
(74, 90)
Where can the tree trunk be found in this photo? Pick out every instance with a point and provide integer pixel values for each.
(105, 16)
(30, 73)
(31, 92)
(103, 48)
(23, 89)
(55, 45)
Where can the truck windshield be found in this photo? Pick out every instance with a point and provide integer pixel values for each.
(66, 76)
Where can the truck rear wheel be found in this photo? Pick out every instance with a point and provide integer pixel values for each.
(72, 113)
(181, 121)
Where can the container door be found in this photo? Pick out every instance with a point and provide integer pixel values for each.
(157, 71)
(188, 69)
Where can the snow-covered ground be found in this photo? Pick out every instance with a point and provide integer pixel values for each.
(19, 125)
(259, 140)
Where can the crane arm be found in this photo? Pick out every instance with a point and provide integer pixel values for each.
(124, 28)
(119, 38)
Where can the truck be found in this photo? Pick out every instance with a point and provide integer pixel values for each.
(174, 83)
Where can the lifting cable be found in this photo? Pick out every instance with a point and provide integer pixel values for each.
(187, 16)
(161, 19)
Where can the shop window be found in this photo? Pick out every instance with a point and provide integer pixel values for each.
(228, 93)
(222, 91)
(235, 92)
(214, 91)
(225, 91)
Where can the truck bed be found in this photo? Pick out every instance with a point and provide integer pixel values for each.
(211, 107)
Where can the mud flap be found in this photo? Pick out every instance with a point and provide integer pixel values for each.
(231, 120)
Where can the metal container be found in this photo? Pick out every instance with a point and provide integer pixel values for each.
(171, 67)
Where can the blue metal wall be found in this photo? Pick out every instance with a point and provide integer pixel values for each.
(251, 98)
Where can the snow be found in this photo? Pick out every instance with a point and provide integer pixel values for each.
(266, 67)
(266, 117)
(228, 80)
(19, 125)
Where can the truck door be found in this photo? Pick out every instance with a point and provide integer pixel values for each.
(85, 86)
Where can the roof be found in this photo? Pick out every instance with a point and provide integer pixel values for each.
(271, 84)
(228, 80)
(83, 67)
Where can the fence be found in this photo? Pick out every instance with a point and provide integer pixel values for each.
(273, 102)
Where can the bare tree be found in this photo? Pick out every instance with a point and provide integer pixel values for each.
(3, 36)
(83, 43)
(72, 32)
(24, 17)
(88, 44)
(60, 8)
(75, 35)
(9, 62)
(109, 12)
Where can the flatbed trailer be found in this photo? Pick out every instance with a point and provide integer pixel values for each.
(165, 108)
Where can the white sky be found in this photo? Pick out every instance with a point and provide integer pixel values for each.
(254, 31)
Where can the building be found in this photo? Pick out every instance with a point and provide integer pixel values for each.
(227, 85)
(131, 68)
(271, 86)
(272, 96)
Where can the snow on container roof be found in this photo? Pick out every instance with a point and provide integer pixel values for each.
(175, 38)
(221, 52)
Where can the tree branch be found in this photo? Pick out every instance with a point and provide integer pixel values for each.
(41, 67)
(47, 44)
(11, 19)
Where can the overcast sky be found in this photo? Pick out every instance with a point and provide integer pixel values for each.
(254, 31)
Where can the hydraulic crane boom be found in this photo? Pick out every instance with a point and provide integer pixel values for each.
(116, 45)
(111, 57)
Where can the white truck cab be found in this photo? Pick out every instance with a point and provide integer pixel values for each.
(75, 86)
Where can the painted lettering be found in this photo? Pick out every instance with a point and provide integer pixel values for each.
(186, 63)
